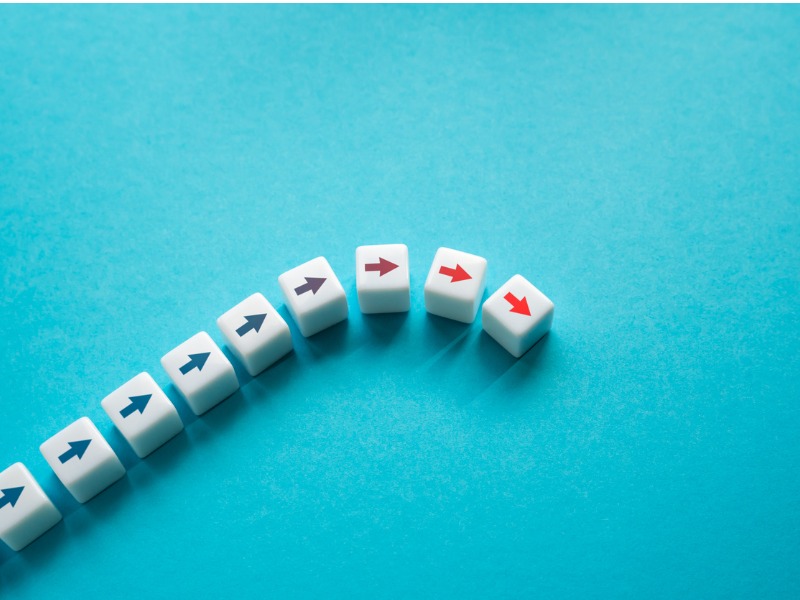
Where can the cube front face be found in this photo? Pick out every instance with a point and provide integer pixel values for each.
(200, 372)
(82, 459)
(143, 414)
(517, 315)
(455, 285)
(382, 278)
(25, 510)
(314, 296)
(255, 333)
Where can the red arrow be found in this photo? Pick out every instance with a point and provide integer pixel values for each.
(518, 306)
(383, 266)
(457, 274)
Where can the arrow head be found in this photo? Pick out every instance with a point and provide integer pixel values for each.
(385, 266)
(460, 275)
(11, 495)
(255, 321)
(199, 360)
(314, 283)
(139, 402)
(79, 447)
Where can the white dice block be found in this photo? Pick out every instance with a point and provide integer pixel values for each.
(256, 334)
(455, 285)
(25, 510)
(314, 296)
(382, 279)
(201, 372)
(82, 459)
(517, 315)
(143, 414)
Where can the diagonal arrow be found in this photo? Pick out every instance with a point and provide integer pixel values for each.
(75, 449)
(138, 404)
(312, 285)
(383, 266)
(518, 305)
(10, 496)
(195, 360)
(457, 274)
(253, 323)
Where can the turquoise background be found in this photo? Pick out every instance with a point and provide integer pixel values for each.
(641, 165)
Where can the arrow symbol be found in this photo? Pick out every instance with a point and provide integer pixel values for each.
(457, 274)
(254, 323)
(312, 284)
(195, 360)
(519, 306)
(10, 496)
(383, 266)
(138, 403)
(75, 449)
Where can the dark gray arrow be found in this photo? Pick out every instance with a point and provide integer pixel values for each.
(312, 285)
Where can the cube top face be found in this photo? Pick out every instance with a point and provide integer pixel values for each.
(252, 324)
(455, 285)
(314, 296)
(82, 459)
(195, 363)
(518, 305)
(23, 506)
(382, 267)
(136, 405)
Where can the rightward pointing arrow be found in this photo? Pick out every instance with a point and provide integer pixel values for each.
(195, 361)
(253, 323)
(138, 404)
(10, 496)
(457, 274)
(518, 305)
(75, 449)
(383, 266)
(312, 285)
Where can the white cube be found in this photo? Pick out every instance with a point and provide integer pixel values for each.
(256, 334)
(517, 315)
(25, 510)
(455, 285)
(382, 279)
(143, 414)
(82, 459)
(314, 296)
(201, 372)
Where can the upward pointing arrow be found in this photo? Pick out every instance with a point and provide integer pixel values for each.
(195, 360)
(518, 305)
(75, 449)
(10, 496)
(312, 285)
(457, 274)
(253, 323)
(383, 266)
(138, 403)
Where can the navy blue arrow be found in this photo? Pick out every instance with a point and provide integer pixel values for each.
(10, 496)
(312, 285)
(138, 403)
(254, 322)
(195, 360)
(75, 449)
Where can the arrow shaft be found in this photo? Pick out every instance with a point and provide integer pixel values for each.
(447, 271)
(128, 410)
(372, 267)
(511, 299)
(188, 366)
(245, 328)
(67, 455)
(4, 500)
(300, 290)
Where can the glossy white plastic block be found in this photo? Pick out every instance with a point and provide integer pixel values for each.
(314, 296)
(201, 372)
(517, 315)
(82, 459)
(256, 334)
(455, 285)
(25, 510)
(143, 414)
(382, 279)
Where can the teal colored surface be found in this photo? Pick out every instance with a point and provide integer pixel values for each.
(640, 165)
